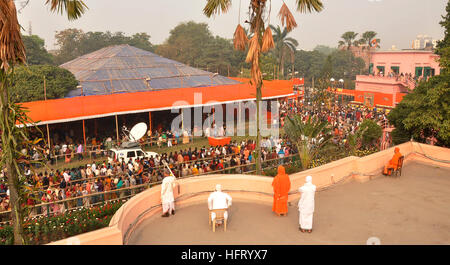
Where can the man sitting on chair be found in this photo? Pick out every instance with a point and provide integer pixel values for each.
(393, 163)
(219, 200)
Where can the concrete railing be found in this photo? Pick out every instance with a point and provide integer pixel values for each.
(256, 189)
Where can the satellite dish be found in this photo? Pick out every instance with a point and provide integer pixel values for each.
(138, 131)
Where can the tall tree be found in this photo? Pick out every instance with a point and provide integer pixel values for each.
(28, 83)
(368, 38)
(12, 53)
(443, 47)
(349, 40)
(35, 50)
(186, 43)
(369, 41)
(262, 41)
(309, 64)
(284, 46)
(424, 114)
(75, 42)
(326, 50)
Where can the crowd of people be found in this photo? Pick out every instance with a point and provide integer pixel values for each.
(75, 186)
(117, 175)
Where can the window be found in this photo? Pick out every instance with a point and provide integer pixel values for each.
(370, 68)
(426, 72)
(380, 69)
(131, 154)
(419, 71)
(395, 69)
(139, 153)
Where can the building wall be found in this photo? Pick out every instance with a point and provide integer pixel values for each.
(407, 61)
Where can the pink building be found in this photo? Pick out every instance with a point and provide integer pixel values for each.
(415, 62)
(395, 73)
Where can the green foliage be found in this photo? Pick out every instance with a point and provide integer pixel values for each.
(35, 50)
(268, 64)
(370, 132)
(349, 39)
(186, 42)
(443, 47)
(325, 50)
(367, 38)
(338, 64)
(425, 112)
(311, 137)
(309, 64)
(285, 47)
(75, 42)
(193, 44)
(43, 230)
(28, 82)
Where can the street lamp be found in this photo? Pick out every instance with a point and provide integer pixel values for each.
(342, 83)
(333, 88)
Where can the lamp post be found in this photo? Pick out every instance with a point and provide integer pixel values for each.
(341, 81)
(334, 91)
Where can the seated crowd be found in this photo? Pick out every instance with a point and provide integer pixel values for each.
(114, 179)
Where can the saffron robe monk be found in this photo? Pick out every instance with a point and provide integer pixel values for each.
(281, 185)
(393, 163)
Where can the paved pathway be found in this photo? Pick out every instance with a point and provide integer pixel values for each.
(411, 209)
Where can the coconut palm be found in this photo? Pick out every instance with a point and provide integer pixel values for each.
(349, 39)
(283, 45)
(12, 53)
(262, 41)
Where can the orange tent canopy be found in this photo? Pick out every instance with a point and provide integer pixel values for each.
(88, 107)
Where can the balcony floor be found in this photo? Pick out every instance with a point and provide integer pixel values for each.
(411, 209)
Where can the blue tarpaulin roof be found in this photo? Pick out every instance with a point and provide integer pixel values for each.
(124, 68)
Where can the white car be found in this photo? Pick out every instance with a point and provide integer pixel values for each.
(125, 154)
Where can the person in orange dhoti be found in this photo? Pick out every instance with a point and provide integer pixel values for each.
(281, 185)
(393, 163)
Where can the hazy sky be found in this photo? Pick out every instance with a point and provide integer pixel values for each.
(397, 22)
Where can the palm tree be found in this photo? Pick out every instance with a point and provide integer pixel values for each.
(349, 39)
(310, 137)
(368, 37)
(12, 52)
(261, 41)
(283, 45)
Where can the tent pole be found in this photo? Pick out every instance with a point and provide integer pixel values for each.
(182, 121)
(150, 126)
(84, 136)
(117, 130)
(48, 136)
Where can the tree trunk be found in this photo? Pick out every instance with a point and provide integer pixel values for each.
(8, 150)
(258, 28)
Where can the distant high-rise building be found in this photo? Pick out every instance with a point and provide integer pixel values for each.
(424, 41)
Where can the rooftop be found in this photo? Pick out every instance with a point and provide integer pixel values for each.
(124, 68)
(411, 209)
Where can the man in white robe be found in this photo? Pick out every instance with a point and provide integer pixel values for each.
(219, 200)
(306, 205)
(167, 198)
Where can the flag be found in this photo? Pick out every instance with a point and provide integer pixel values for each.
(374, 42)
